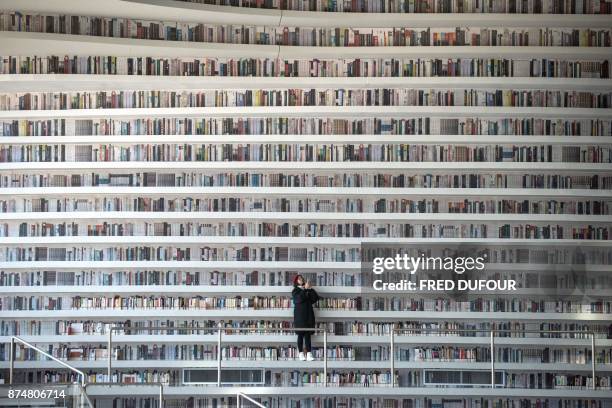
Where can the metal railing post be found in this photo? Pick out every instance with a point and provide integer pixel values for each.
(110, 352)
(325, 358)
(219, 357)
(492, 359)
(392, 355)
(161, 395)
(82, 394)
(11, 360)
(593, 358)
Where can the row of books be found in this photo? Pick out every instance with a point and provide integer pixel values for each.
(222, 252)
(310, 126)
(209, 352)
(174, 277)
(556, 381)
(450, 229)
(425, 6)
(184, 352)
(299, 36)
(334, 378)
(299, 152)
(532, 179)
(359, 67)
(502, 355)
(306, 97)
(156, 302)
(518, 329)
(481, 305)
(550, 279)
(353, 230)
(173, 253)
(371, 402)
(307, 205)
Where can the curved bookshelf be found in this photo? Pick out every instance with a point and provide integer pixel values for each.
(332, 339)
(302, 191)
(297, 216)
(316, 167)
(288, 241)
(243, 265)
(97, 281)
(25, 43)
(209, 13)
(314, 111)
(119, 140)
(93, 82)
(323, 315)
(314, 365)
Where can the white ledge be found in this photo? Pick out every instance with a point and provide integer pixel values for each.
(351, 267)
(285, 241)
(95, 216)
(310, 167)
(316, 111)
(310, 366)
(285, 314)
(101, 82)
(301, 191)
(216, 290)
(169, 10)
(124, 140)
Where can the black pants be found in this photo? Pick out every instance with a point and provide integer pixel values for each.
(303, 342)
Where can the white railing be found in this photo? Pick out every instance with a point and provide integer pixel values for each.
(220, 331)
(221, 339)
(83, 378)
(492, 334)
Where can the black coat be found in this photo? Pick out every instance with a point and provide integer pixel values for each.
(303, 313)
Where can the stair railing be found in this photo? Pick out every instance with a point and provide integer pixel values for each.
(83, 378)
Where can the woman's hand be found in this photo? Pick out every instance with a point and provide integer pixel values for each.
(307, 285)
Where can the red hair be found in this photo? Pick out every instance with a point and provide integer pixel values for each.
(295, 279)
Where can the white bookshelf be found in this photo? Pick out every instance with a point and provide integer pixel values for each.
(27, 43)
(241, 265)
(296, 216)
(312, 167)
(84, 82)
(287, 241)
(42, 44)
(201, 290)
(284, 314)
(119, 140)
(314, 365)
(193, 12)
(315, 111)
(300, 191)
(266, 339)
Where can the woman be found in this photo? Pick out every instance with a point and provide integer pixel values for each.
(304, 296)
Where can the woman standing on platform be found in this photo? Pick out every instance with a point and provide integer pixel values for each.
(304, 296)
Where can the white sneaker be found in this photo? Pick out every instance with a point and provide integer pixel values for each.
(302, 357)
(309, 357)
